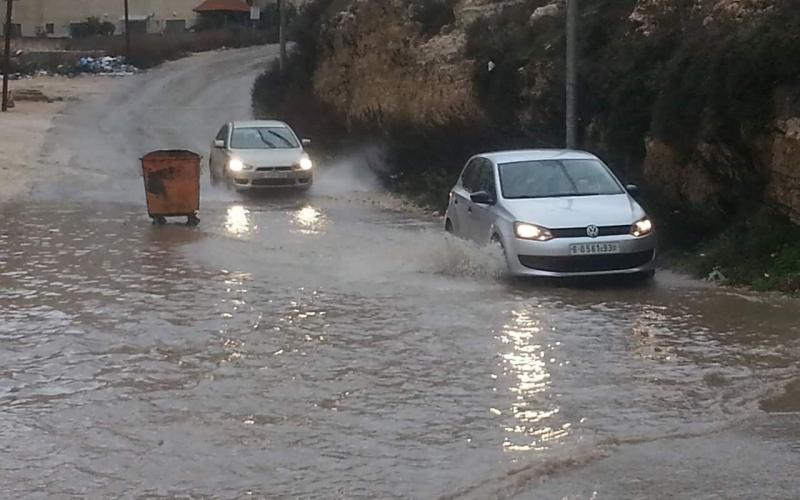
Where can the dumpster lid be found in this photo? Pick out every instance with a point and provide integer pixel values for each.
(171, 153)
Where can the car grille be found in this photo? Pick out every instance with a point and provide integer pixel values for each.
(273, 182)
(587, 263)
(580, 232)
(274, 169)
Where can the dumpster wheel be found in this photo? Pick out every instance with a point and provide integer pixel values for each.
(160, 221)
(192, 220)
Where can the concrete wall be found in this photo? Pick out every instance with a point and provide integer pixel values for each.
(38, 44)
(35, 15)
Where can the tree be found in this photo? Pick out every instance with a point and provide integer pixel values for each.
(93, 26)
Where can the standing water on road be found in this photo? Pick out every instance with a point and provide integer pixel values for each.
(316, 348)
(332, 345)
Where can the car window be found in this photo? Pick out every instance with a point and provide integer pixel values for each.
(555, 178)
(263, 138)
(485, 181)
(223, 134)
(469, 178)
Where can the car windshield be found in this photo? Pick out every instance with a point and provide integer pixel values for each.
(556, 178)
(263, 138)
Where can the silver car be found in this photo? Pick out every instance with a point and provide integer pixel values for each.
(260, 155)
(555, 213)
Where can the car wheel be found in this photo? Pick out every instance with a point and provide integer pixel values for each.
(448, 226)
(645, 276)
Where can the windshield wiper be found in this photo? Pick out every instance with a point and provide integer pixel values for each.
(559, 195)
(265, 141)
(284, 139)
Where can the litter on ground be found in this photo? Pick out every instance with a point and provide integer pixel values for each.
(108, 66)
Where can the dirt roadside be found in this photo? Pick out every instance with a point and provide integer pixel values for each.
(24, 128)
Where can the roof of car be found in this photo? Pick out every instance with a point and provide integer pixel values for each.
(259, 123)
(537, 154)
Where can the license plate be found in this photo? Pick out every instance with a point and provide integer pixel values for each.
(273, 175)
(594, 248)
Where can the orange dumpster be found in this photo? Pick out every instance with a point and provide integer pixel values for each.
(172, 185)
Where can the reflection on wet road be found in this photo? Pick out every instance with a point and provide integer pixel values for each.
(316, 348)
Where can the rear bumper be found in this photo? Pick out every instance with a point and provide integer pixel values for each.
(553, 258)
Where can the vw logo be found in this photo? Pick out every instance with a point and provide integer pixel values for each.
(592, 231)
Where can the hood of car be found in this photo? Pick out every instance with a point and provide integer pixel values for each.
(576, 211)
(268, 157)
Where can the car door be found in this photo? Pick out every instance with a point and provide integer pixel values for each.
(482, 214)
(218, 156)
(459, 199)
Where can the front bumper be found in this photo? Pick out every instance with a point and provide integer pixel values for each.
(254, 180)
(553, 258)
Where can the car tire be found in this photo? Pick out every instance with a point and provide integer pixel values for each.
(448, 226)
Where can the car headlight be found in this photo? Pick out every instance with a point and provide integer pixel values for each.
(643, 227)
(527, 231)
(236, 165)
(306, 163)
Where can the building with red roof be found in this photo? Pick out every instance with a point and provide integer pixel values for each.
(222, 13)
(222, 6)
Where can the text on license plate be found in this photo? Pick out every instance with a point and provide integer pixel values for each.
(593, 248)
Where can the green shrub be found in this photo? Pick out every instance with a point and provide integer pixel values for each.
(761, 251)
(93, 26)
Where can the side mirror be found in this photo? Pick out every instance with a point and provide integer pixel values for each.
(219, 143)
(482, 198)
(633, 190)
(306, 142)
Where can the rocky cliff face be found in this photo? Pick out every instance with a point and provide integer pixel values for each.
(377, 59)
(782, 154)
(697, 98)
(765, 157)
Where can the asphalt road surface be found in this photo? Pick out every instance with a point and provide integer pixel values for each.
(336, 345)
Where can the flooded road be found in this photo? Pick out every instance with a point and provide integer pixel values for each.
(337, 346)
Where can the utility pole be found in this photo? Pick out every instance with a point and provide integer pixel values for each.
(127, 35)
(7, 54)
(282, 34)
(572, 75)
